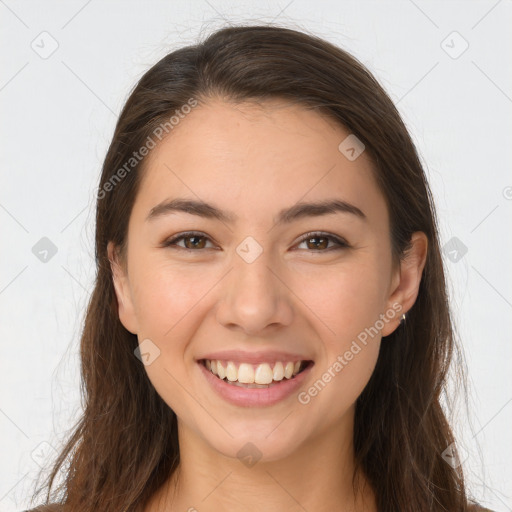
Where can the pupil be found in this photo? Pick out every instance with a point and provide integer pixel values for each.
(193, 238)
(316, 244)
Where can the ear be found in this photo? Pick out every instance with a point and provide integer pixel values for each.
(406, 280)
(123, 291)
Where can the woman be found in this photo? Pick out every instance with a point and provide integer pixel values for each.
(269, 327)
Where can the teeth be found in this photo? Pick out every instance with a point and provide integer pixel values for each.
(253, 374)
(231, 372)
(288, 370)
(245, 373)
(278, 371)
(263, 374)
(221, 372)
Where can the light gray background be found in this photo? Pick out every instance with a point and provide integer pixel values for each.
(58, 115)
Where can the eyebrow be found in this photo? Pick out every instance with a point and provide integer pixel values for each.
(285, 216)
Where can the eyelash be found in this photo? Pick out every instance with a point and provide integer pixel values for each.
(341, 244)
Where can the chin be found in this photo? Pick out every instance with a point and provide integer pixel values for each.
(262, 443)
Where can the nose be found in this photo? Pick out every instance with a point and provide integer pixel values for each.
(254, 297)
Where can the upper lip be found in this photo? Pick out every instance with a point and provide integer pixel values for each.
(268, 356)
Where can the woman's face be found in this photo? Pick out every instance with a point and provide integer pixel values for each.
(263, 278)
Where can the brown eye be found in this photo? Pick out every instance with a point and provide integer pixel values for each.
(192, 241)
(324, 242)
(197, 242)
(319, 242)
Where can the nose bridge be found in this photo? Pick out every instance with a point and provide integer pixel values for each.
(254, 296)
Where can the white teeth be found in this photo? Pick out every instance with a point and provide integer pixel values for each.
(231, 371)
(278, 371)
(221, 372)
(263, 374)
(247, 373)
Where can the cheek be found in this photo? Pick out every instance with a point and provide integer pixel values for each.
(164, 297)
(348, 308)
(169, 308)
(168, 304)
(338, 386)
(348, 304)
(346, 300)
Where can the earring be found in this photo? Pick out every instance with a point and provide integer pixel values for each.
(403, 319)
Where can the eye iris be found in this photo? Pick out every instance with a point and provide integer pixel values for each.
(321, 245)
(199, 241)
(194, 246)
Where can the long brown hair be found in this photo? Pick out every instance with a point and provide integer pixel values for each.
(125, 445)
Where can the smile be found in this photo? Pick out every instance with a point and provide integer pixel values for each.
(246, 384)
(261, 375)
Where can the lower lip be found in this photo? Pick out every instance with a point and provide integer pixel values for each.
(255, 397)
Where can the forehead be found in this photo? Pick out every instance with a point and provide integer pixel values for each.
(249, 157)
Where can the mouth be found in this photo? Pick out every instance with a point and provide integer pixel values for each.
(255, 376)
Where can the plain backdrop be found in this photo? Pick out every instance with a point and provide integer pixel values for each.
(67, 69)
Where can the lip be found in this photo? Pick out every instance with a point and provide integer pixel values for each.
(268, 356)
(255, 397)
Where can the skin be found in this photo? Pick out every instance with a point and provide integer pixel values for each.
(254, 160)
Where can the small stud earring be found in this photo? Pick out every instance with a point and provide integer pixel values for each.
(403, 319)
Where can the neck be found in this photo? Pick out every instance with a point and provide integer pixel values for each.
(317, 476)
